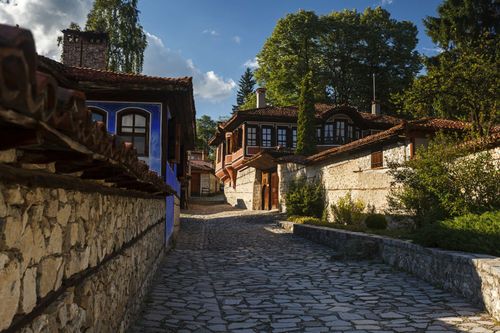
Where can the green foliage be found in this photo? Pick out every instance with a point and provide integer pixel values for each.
(376, 221)
(245, 89)
(445, 180)
(304, 219)
(462, 81)
(343, 49)
(305, 198)
(250, 102)
(306, 137)
(205, 129)
(470, 233)
(127, 40)
(462, 23)
(348, 211)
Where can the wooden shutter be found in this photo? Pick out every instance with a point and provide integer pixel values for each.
(377, 159)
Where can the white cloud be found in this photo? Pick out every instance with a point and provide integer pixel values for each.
(386, 2)
(433, 49)
(210, 32)
(45, 19)
(237, 39)
(252, 63)
(162, 61)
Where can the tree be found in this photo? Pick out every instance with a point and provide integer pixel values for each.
(288, 55)
(306, 138)
(205, 129)
(462, 81)
(344, 49)
(127, 40)
(245, 88)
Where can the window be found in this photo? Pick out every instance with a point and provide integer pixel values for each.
(251, 136)
(377, 159)
(133, 126)
(350, 132)
(267, 137)
(228, 145)
(282, 137)
(328, 138)
(98, 115)
(340, 130)
(318, 134)
(294, 137)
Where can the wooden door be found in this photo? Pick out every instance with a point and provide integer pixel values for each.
(265, 191)
(195, 183)
(274, 190)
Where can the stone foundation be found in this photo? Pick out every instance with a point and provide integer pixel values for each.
(473, 276)
(76, 261)
(247, 193)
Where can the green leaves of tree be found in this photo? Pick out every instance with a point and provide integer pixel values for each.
(127, 40)
(343, 50)
(306, 137)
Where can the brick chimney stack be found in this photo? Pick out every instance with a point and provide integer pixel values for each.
(261, 97)
(85, 49)
(376, 108)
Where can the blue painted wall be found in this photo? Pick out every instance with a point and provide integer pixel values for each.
(113, 108)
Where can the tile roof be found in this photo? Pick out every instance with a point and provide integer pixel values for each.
(104, 76)
(202, 165)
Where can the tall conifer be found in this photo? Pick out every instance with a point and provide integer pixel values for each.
(306, 138)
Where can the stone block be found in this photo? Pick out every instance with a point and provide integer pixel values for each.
(28, 291)
(14, 196)
(8, 156)
(10, 232)
(78, 260)
(3, 206)
(49, 275)
(63, 215)
(52, 208)
(10, 288)
(55, 240)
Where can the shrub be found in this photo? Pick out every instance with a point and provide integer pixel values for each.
(444, 180)
(304, 219)
(376, 221)
(348, 211)
(469, 233)
(305, 198)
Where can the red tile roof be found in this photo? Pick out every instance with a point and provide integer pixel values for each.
(202, 165)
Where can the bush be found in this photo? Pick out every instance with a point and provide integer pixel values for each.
(444, 180)
(304, 219)
(348, 211)
(470, 233)
(305, 198)
(376, 221)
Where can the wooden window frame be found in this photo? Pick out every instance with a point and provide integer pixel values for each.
(294, 142)
(255, 141)
(132, 134)
(329, 139)
(319, 138)
(270, 128)
(377, 159)
(100, 112)
(280, 142)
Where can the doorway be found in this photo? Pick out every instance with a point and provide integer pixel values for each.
(270, 194)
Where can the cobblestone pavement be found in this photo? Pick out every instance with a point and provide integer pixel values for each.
(236, 272)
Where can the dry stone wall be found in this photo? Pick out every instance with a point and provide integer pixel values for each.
(247, 191)
(353, 173)
(75, 261)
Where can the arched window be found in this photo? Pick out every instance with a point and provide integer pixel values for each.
(98, 115)
(133, 126)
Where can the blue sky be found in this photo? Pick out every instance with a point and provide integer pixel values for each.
(210, 40)
(221, 35)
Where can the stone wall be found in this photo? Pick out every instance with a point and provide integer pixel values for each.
(350, 173)
(246, 194)
(76, 261)
(475, 277)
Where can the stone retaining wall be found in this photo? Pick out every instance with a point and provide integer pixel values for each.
(76, 261)
(475, 277)
(247, 192)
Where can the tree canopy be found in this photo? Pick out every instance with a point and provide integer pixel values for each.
(205, 129)
(343, 50)
(127, 40)
(462, 81)
(245, 88)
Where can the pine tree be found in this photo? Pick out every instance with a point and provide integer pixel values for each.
(306, 139)
(127, 40)
(246, 87)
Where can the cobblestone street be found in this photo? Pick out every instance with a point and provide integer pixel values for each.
(237, 272)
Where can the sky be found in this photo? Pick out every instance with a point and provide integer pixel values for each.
(211, 40)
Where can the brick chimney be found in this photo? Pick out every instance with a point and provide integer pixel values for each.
(85, 49)
(261, 97)
(376, 108)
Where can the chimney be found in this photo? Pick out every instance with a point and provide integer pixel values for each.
(261, 97)
(375, 108)
(85, 48)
